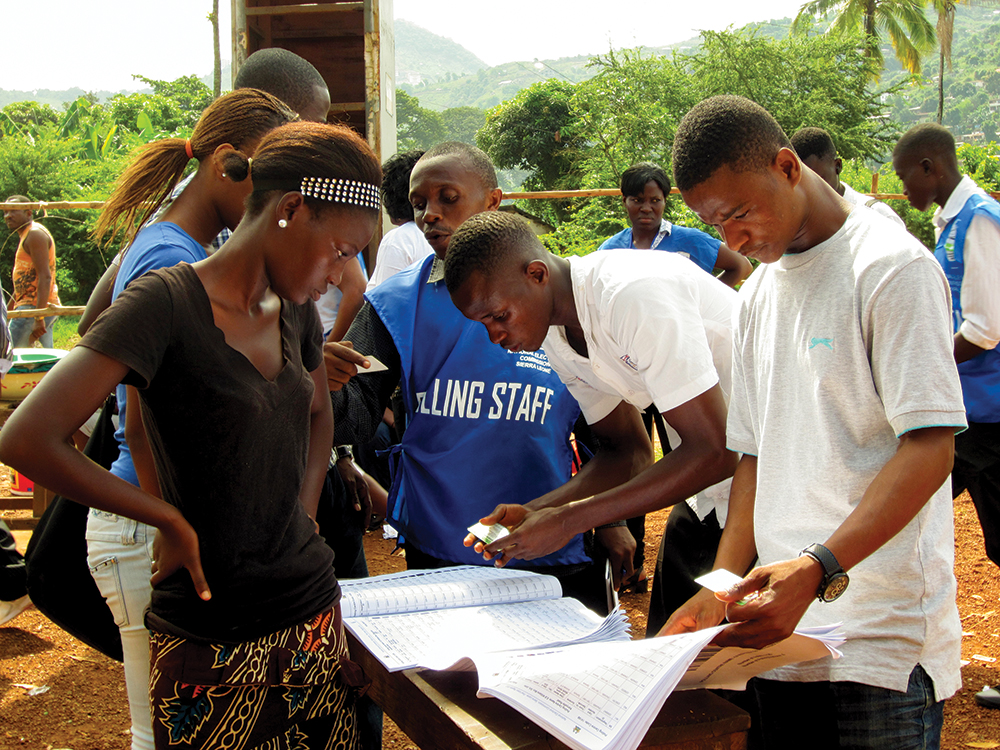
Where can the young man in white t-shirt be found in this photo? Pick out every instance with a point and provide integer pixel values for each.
(815, 149)
(845, 404)
(623, 330)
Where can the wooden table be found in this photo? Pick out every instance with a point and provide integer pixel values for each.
(440, 711)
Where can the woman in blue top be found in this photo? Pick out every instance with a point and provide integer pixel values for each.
(645, 188)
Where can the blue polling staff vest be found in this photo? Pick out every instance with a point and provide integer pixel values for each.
(980, 375)
(484, 426)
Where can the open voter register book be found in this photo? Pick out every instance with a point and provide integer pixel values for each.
(574, 673)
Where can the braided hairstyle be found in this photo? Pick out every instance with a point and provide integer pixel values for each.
(238, 118)
(298, 150)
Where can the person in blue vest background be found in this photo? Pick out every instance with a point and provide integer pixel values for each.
(967, 224)
(483, 425)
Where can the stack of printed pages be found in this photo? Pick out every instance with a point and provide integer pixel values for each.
(574, 673)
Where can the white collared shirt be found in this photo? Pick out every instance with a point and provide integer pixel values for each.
(658, 330)
(980, 296)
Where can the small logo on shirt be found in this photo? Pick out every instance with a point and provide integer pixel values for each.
(949, 244)
(828, 343)
(628, 360)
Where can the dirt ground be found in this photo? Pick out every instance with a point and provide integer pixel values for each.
(84, 706)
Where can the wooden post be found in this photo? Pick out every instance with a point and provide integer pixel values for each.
(874, 183)
(239, 9)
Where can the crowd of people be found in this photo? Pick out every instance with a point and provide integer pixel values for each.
(815, 425)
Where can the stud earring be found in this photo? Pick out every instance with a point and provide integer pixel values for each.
(282, 223)
(223, 175)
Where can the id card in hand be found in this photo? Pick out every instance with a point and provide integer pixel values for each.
(488, 534)
(374, 366)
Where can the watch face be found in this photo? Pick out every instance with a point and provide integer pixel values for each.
(835, 587)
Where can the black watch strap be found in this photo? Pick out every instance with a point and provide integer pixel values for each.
(824, 557)
(835, 580)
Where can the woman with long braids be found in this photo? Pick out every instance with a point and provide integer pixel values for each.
(247, 647)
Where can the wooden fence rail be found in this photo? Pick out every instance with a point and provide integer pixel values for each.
(46, 312)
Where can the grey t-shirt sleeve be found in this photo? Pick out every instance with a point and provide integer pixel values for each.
(909, 336)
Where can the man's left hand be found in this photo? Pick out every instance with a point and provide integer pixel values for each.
(357, 487)
(620, 546)
(784, 591)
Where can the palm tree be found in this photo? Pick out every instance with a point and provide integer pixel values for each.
(945, 31)
(903, 21)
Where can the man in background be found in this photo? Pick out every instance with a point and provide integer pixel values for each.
(34, 276)
(816, 150)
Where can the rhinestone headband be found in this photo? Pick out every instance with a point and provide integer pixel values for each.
(341, 191)
(331, 189)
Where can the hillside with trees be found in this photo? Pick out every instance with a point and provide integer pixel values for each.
(549, 124)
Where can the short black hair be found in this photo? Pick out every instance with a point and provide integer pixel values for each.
(634, 178)
(487, 242)
(474, 158)
(813, 142)
(283, 74)
(927, 139)
(396, 184)
(726, 130)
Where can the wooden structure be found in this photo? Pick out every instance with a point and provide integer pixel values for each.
(440, 711)
(351, 44)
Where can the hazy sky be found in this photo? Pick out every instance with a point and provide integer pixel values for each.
(99, 44)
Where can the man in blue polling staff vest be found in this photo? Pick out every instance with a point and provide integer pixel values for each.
(967, 223)
(483, 425)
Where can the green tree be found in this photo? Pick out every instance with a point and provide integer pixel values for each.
(819, 81)
(187, 93)
(26, 117)
(535, 131)
(76, 156)
(462, 123)
(945, 35)
(902, 21)
(416, 127)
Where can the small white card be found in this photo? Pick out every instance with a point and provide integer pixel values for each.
(488, 534)
(375, 366)
(718, 580)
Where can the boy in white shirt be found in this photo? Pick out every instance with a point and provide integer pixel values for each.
(622, 330)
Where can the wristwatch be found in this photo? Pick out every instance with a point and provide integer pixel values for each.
(835, 580)
(344, 451)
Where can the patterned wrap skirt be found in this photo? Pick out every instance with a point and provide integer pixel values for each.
(289, 690)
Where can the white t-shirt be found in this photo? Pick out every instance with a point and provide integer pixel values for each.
(837, 351)
(981, 255)
(855, 198)
(400, 248)
(658, 330)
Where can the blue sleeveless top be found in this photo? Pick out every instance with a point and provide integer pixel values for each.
(484, 426)
(981, 374)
